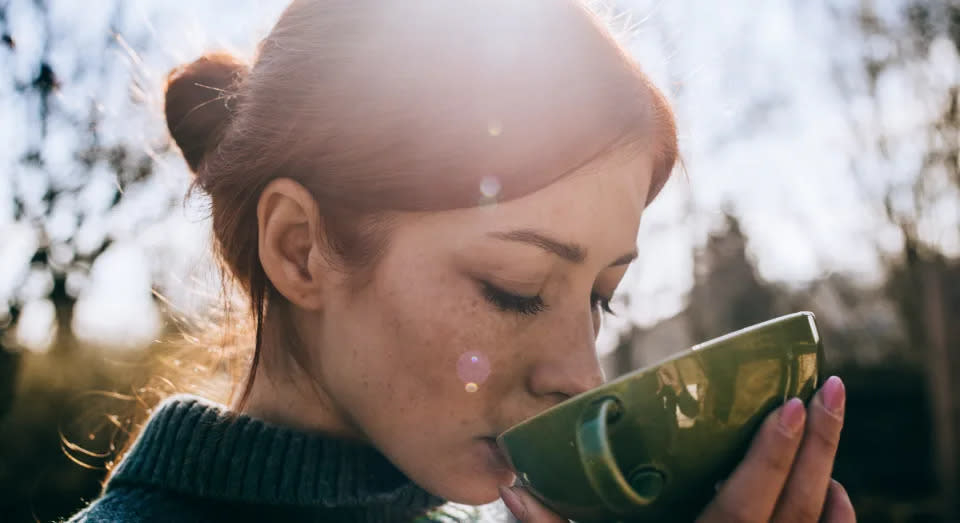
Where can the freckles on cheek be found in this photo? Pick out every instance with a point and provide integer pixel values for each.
(488, 358)
(474, 343)
(473, 369)
(445, 348)
(415, 353)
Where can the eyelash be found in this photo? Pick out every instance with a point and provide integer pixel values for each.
(599, 301)
(509, 302)
(530, 305)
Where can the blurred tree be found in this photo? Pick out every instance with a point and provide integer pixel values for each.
(910, 61)
(865, 345)
(54, 100)
(727, 293)
(47, 192)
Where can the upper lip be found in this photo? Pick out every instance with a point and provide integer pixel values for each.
(492, 439)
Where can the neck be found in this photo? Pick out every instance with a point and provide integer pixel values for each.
(284, 391)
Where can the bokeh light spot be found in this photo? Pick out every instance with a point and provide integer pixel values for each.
(473, 368)
(490, 187)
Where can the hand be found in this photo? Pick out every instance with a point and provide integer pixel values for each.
(785, 476)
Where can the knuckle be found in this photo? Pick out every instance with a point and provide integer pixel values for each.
(776, 447)
(784, 438)
(781, 435)
(776, 460)
(826, 436)
(826, 416)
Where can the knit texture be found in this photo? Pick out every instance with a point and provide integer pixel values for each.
(197, 461)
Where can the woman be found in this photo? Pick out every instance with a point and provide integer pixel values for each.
(429, 205)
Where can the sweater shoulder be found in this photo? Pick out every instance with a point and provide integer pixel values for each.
(143, 505)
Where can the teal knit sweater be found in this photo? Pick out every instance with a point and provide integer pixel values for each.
(195, 461)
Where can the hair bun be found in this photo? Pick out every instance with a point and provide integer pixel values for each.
(198, 107)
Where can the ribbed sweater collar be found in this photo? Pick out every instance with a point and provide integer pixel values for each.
(199, 448)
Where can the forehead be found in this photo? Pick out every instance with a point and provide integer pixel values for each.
(610, 192)
(599, 206)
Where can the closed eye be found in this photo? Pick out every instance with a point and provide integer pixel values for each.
(510, 302)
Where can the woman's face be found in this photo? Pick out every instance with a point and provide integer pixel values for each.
(476, 319)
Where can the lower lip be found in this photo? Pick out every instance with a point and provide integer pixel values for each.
(495, 457)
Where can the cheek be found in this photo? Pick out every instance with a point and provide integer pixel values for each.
(453, 349)
(433, 319)
(415, 332)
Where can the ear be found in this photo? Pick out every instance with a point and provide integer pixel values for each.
(289, 224)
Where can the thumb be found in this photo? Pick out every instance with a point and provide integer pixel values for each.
(526, 508)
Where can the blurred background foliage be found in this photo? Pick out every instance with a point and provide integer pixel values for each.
(85, 173)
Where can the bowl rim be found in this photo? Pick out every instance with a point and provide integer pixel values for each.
(700, 347)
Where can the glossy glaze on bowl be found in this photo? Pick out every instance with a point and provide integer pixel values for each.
(674, 429)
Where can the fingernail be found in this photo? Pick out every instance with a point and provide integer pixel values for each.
(791, 416)
(512, 501)
(834, 395)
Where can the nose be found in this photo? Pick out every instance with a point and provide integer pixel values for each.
(565, 375)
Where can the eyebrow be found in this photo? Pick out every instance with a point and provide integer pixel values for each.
(572, 252)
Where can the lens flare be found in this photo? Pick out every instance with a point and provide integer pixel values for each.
(473, 368)
(490, 187)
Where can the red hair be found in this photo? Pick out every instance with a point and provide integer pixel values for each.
(405, 105)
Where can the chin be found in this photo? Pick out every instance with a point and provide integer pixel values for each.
(477, 479)
(484, 473)
(476, 490)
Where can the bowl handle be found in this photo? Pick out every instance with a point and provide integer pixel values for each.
(601, 467)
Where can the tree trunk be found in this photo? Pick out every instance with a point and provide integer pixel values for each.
(944, 386)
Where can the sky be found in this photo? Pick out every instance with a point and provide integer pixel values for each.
(765, 131)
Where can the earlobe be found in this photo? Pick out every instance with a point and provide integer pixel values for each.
(288, 224)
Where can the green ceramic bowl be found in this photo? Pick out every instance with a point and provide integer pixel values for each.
(652, 445)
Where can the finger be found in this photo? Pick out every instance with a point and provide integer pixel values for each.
(751, 492)
(526, 508)
(806, 491)
(839, 509)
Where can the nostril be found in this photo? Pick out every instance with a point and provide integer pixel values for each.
(585, 384)
(562, 380)
(560, 397)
